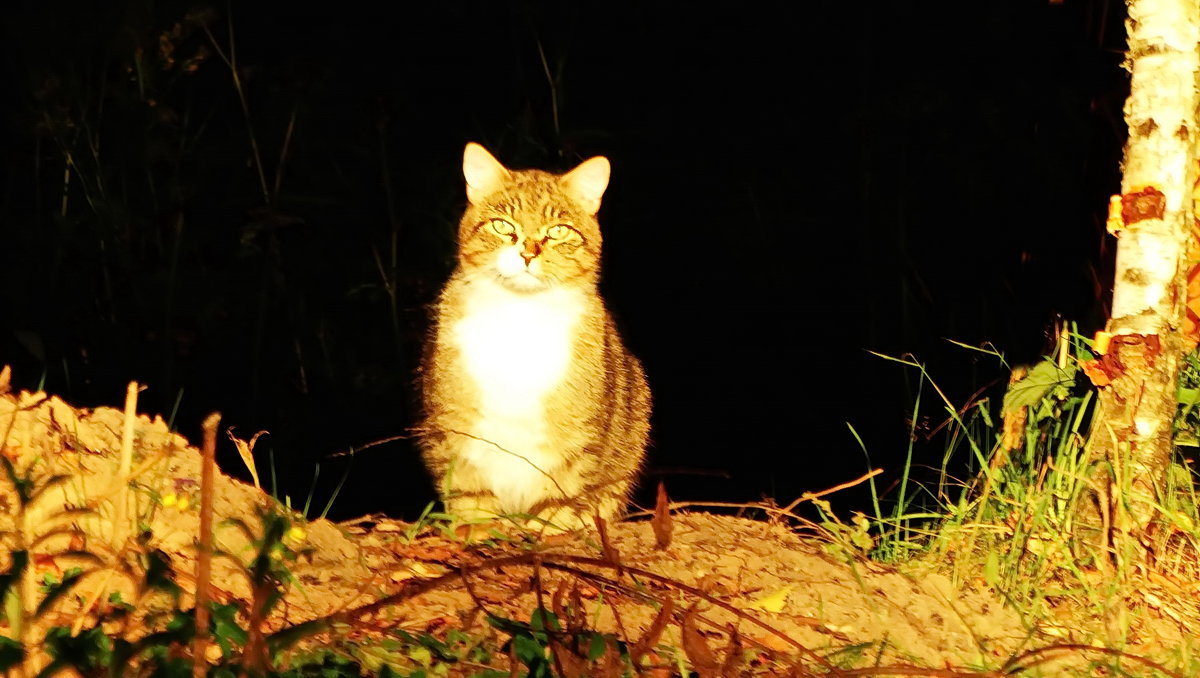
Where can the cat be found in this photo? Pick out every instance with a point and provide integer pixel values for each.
(533, 406)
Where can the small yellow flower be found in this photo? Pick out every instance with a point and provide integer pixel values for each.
(169, 499)
(296, 534)
(184, 502)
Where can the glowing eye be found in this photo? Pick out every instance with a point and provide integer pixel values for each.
(559, 232)
(502, 227)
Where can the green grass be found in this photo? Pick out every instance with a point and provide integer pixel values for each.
(1020, 523)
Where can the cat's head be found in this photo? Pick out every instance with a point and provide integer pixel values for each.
(528, 229)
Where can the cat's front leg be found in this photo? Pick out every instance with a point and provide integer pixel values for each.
(562, 516)
(473, 509)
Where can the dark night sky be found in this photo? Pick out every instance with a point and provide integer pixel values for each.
(793, 183)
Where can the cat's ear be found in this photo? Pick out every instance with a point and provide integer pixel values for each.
(484, 174)
(586, 183)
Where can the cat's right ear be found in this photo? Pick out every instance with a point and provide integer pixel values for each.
(484, 174)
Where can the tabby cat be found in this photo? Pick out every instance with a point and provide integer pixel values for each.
(533, 406)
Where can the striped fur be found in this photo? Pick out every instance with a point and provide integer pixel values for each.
(533, 406)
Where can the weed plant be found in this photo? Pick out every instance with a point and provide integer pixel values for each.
(1020, 523)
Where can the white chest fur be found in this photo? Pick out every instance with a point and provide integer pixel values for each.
(516, 348)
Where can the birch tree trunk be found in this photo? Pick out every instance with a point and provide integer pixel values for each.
(1148, 334)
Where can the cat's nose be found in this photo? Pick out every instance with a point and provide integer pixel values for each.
(531, 251)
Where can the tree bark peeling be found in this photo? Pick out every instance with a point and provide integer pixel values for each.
(1153, 219)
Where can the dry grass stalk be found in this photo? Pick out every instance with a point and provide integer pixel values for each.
(204, 556)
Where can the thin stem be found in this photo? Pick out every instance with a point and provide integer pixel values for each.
(230, 60)
(204, 557)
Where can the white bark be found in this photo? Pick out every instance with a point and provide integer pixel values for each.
(1153, 220)
(1161, 114)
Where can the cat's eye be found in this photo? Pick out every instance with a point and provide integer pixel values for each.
(559, 232)
(503, 227)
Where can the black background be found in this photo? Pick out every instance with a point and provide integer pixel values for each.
(793, 184)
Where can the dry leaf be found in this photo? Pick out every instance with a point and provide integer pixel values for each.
(610, 551)
(696, 647)
(649, 639)
(566, 660)
(246, 450)
(732, 652)
(774, 601)
(661, 522)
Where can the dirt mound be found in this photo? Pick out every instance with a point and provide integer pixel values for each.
(727, 583)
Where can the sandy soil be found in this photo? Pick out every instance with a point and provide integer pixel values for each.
(746, 597)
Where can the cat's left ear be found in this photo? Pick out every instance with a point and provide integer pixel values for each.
(586, 183)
